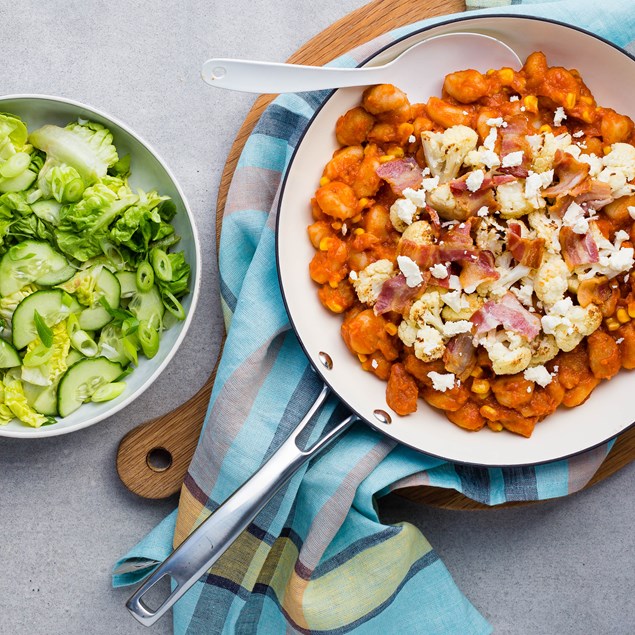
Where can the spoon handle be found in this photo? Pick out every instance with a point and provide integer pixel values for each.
(270, 77)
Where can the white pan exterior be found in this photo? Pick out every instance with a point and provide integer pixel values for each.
(611, 407)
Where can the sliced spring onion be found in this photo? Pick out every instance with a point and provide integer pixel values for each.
(109, 391)
(148, 338)
(45, 333)
(15, 165)
(72, 325)
(39, 355)
(84, 343)
(145, 276)
(130, 350)
(161, 265)
(173, 305)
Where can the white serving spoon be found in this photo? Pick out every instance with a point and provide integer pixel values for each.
(431, 58)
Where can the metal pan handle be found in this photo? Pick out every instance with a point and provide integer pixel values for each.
(211, 539)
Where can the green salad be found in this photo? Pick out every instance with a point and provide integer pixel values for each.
(88, 281)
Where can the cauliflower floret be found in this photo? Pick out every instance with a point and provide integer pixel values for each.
(460, 306)
(371, 279)
(546, 228)
(544, 154)
(402, 213)
(508, 276)
(443, 201)
(407, 332)
(512, 201)
(490, 235)
(509, 353)
(544, 348)
(525, 292)
(419, 232)
(446, 151)
(613, 258)
(551, 280)
(482, 158)
(569, 324)
(619, 168)
(427, 310)
(533, 184)
(429, 344)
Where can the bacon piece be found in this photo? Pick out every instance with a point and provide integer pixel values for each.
(526, 251)
(570, 173)
(477, 268)
(592, 194)
(459, 356)
(424, 255)
(460, 184)
(400, 174)
(509, 313)
(458, 235)
(577, 249)
(514, 139)
(396, 295)
(518, 171)
(434, 217)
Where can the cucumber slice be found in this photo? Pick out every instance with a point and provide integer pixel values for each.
(54, 305)
(148, 305)
(128, 282)
(32, 261)
(81, 380)
(9, 357)
(42, 399)
(96, 317)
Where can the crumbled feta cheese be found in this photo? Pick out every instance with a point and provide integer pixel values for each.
(525, 292)
(455, 300)
(455, 282)
(416, 197)
(619, 340)
(450, 329)
(522, 109)
(578, 134)
(442, 381)
(374, 363)
(344, 229)
(411, 270)
(620, 237)
(512, 159)
(559, 116)
(353, 275)
(475, 180)
(490, 140)
(465, 112)
(427, 185)
(483, 211)
(425, 172)
(539, 374)
(412, 138)
(574, 218)
(535, 142)
(439, 271)
(514, 98)
(495, 121)
(405, 210)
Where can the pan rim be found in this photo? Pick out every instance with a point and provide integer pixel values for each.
(283, 293)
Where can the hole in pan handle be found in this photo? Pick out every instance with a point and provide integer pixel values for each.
(212, 538)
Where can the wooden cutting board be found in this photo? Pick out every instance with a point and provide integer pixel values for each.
(152, 459)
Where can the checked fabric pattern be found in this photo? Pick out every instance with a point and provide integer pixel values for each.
(318, 559)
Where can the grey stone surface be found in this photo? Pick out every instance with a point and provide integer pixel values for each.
(560, 567)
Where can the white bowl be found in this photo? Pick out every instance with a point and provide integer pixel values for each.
(610, 409)
(149, 172)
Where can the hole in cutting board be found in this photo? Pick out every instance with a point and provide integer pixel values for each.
(159, 459)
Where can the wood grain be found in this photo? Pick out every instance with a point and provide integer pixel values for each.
(178, 431)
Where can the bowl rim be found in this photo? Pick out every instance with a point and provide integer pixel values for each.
(52, 431)
(316, 366)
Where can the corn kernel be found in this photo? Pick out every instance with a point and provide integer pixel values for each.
(480, 386)
(324, 180)
(359, 231)
(335, 307)
(477, 372)
(531, 103)
(585, 99)
(333, 284)
(357, 218)
(488, 412)
(570, 100)
(586, 116)
(385, 158)
(506, 75)
(612, 324)
(631, 309)
(363, 202)
(622, 316)
(494, 426)
(325, 243)
(491, 71)
(391, 328)
(362, 358)
(336, 225)
(398, 152)
(545, 128)
(606, 149)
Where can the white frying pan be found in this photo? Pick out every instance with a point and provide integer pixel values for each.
(609, 411)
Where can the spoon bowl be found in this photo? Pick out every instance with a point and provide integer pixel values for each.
(418, 70)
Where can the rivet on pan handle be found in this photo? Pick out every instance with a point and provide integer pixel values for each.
(211, 539)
